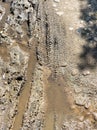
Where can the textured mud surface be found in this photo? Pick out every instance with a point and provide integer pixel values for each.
(48, 59)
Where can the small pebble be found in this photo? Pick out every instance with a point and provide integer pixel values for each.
(5, 83)
(57, 1)
(3, 76)
(85, 73)
(81, 21)
(60, 13)
(73, 107)
(70, 28)
(3, 108)
(81, 118)
(87, 105)
(74, 72)
(54, 5)
(64, 64)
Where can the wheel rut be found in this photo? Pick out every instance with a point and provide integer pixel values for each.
(58, 104)
(25, 93)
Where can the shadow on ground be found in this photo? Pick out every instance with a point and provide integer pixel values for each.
(89, 33)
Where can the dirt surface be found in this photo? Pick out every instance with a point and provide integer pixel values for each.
(48, 58)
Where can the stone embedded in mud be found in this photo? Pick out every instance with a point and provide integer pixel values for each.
(73, 107)
(57, 1)
(87, 104)
(74, 72)
(80, 100)
(81, 118)
(82, 21)
(95, 115)
(60, 13)
(64, 64)
(2, 12)
(19, 30)
(71, 28)
(86, 72)
(54, 5)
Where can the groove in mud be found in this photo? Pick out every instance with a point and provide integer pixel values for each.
(25, 94)
(58, 104)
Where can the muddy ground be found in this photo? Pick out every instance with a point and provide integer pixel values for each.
(48, 59)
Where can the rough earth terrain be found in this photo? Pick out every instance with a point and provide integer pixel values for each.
(48, 59)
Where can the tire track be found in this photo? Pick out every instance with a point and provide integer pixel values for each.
(58, 104)
(25, 94)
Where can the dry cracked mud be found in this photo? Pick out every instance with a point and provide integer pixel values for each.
(48, 59)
